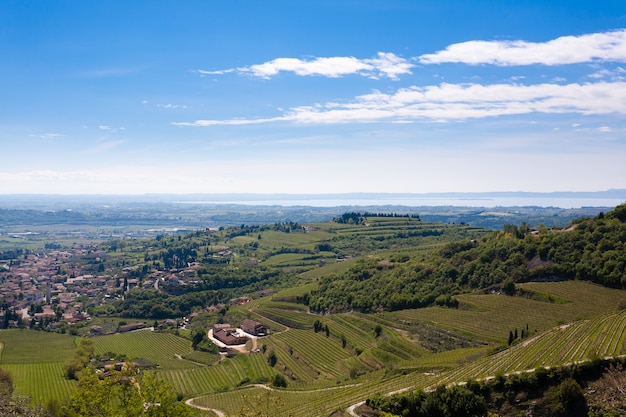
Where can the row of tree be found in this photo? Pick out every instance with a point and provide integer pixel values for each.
(359, 218)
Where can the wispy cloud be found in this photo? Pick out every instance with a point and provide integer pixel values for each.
(385, 64)
(616, 74)
(595, 47)
(48, 136)
(454, 102)
(110, 129)
(171, 106)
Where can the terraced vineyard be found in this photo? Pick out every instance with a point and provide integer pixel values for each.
(225, 375)
(583, 340)
(490, 317)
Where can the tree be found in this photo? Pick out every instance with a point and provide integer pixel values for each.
(73, 366)
(124, 394)
(272, 358)
(160, 399)
(279, 381)
(197, 335)
(509, 287)
(571, 398)
(378, 330)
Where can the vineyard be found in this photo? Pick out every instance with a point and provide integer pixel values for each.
(351, 356)
(164, 350)
(490, 317)
(35, 360)
(317, 359)
(582, 340)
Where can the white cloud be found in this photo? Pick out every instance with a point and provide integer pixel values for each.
(171, 106)
(616, 74)
(455, 102)
(385, 64)
(48, 136)
(111, 129)
(605, 46)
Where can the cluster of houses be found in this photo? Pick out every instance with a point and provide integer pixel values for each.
(54, 284)
(50, 289)
(38, 280)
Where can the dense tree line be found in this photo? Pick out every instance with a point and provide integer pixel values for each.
(359, 218)
(591, 249)
(556, 392)
(10, 254)
(217, 278)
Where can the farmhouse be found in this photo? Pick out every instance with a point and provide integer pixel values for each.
(253, 327)
(130, 327)
(229, 336)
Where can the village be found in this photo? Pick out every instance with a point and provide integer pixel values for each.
(50, 291)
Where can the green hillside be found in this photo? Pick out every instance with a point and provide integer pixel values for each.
(362, 306)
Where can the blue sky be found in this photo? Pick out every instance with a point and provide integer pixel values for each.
(133, 97)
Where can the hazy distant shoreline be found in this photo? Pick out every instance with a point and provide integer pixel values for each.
(566, 199)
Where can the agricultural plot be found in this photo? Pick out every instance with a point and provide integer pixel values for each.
(37, 372)
(201, 358)
(25, 346)
(299, 369)
(324, 353)
(358, 333)
(587, 298)
(41, 381)
(602, 336)
(297, 259)
(292, 292)
(289, 318)
(490, 317)
(583, 340)
(225, 375)
(163, 349)
(320, 402)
